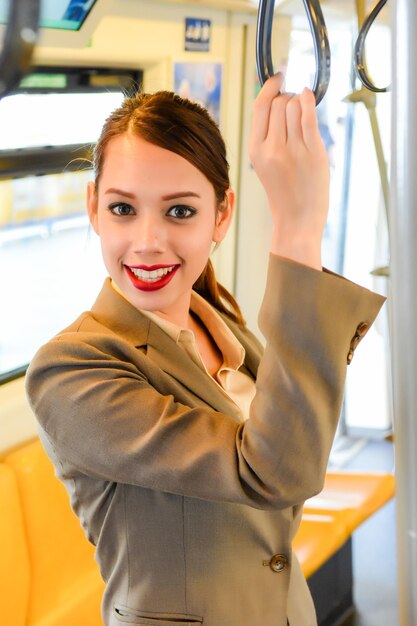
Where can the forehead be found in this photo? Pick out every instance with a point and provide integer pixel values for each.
(130, 157)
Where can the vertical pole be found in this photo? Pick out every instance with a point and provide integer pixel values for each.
(404, 297)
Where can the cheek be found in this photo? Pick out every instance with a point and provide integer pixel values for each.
(112, 245)
(197, 252)
(107, 253)
(201, 243)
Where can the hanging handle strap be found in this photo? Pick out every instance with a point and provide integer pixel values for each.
(320, 39)
(359, 53)
(19, 41)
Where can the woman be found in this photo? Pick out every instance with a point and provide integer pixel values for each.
(187, 451)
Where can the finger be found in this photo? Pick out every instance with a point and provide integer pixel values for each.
(293, 114)
(309, 123)
(262, 107)
(278, 119)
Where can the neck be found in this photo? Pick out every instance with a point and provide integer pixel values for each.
(179, 314)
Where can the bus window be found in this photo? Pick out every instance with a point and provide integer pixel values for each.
(50, 269)
(50, 119)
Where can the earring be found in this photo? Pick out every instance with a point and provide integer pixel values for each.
(214, 246)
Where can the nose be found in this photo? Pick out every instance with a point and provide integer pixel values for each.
(150, 234)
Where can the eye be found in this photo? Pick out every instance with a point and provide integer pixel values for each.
(121, 209)
(181, 211)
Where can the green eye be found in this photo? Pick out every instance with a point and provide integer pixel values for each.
(181, 211)
(121, 209)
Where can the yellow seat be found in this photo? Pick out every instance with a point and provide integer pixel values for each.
(66, 587)
(317, 539)
(352, 496)
(14, 560)
(329, 519)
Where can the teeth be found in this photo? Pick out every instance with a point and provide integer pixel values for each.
(153, 275)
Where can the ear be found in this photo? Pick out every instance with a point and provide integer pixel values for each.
(92, 206)
(224, 216)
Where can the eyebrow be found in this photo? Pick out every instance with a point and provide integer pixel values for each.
(181, 194)
(170, 196)
(120, 192)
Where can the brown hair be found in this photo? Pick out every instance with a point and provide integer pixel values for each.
(186, 128)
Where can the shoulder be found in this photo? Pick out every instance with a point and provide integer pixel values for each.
(113, 330)
(86, 343)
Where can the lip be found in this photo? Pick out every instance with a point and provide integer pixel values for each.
(154, 286)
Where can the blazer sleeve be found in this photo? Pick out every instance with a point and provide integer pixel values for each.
(103, 418)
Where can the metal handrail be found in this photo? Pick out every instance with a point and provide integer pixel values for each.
(19, 40)
(320, 39)
(359, 53)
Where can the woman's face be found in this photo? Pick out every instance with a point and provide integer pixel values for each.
(156, 217)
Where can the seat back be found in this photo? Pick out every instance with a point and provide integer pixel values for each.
(14, 560)
(65, 585)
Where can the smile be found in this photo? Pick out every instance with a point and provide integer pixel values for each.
(151, 278)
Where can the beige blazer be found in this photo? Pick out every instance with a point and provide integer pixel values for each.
(192, 512)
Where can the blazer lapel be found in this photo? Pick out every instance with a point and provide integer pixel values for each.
(253, 348)
(124, 319)
(175, 362)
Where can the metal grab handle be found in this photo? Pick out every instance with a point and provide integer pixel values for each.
(19, 41)
(320, 39)
(360, 49)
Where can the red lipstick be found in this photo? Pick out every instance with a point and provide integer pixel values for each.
(143, 285)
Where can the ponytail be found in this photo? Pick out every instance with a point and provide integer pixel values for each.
(208, 287)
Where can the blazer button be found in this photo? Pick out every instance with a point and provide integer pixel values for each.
(277, 563)
(362, 328)
(360, 332)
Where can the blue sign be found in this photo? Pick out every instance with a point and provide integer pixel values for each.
(197, 34)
